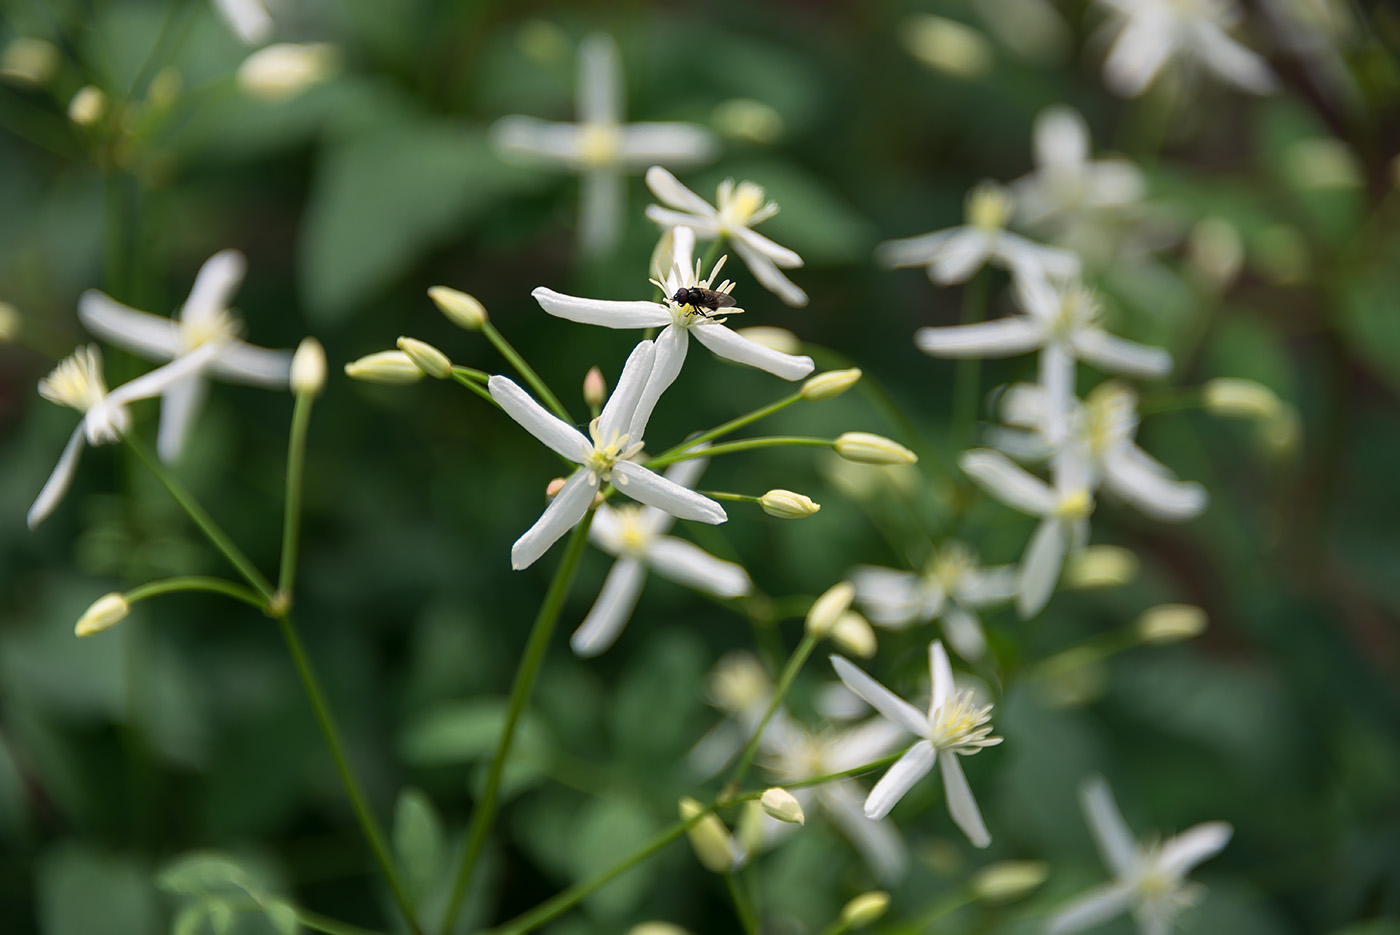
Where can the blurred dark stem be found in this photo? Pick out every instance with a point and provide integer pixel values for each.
(743, 906)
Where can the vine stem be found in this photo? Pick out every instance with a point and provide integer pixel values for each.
(771, 441)
(195, 583)
(526, 371)
(731, 425)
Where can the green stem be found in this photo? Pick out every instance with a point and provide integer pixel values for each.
(828, 777)
(736, 497)
(296, 469)
(368, 823)
(469, 381)
(530, 663)
(711, 255)
(319, 923)
(742, 908)
(789, 675)
(731, 425)
(770, 441)
(480, 376)
(526, 371)
(196, 583)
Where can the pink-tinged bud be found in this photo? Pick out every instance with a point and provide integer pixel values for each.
(595, 388)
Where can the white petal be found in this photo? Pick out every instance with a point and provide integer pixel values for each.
(1138, 478)
(940, 677)
(1061, 137)
(1057, 376)
(715, 749)
(616, 417)
(1028, 258)
(554, 432)
(57, 484)
(671, 346)
(604, 623)
(878, 842)
(675, 144)
(671, 192)
(866, 742)
(248, 18)
(964, 632)
(606, 530)
(534, 138)
(1116, 844)
(563, 513)
(654, 490)
(155, 382)
(913, 251)
(238, 362)
(602, 197)
(179, 406)
(693, 567)
(1040, 568)
(899, 779)
(962, 255)
(1009, 483)
(146, 334)
(598, 97)
(961, 805)
(605, 312)
(214, 286)
(1233, 61)
(1102, 349)
(1098, 905)
(889, 597)
(768, 274)
(1002, 337)
(1138, 54)
(881, 698)
(983, 586)
(1115, 182)
(1186, 850)
(731, 346)
(751, 240)
(706, 228)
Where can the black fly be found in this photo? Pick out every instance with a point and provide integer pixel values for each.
(703, 301)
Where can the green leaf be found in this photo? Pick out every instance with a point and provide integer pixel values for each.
(466, 731)
(418, 842)
(83, 891)
(604, 833)
(1370, 322)
(206, 874)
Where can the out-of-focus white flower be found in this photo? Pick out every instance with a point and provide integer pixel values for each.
(1067, 187)
(600, 146)
(947, 45)
(740, 687)
(87, 106)
(954, 726)
(1033, 29)
(1151, 33)
(743, 118)
(615, 437)
(249, 19)
(677, 321)
(1148, 879)
(954, 254)
(29, 60)
(285, 69)
(737, 210)
(951, 585)
(204, 319)
(636, 535)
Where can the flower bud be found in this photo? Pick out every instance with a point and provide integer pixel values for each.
(9, 322)
(775, 339)
(595, 388)
(865, 448)
(1170, 623)
(29, 61)
(785, 504)
(391, 367)
(1008, 879)
(553, 487)
(87, 106)
(751, 830)
(427, 358)
(781, 805)
(461, 309)
(865, 909)
(743, 118)
(827, 608)
(285, 69)
(709, 838)
(1099, 566)
(948, 46)
(308, 368)
(656, 928)
(1240, 399)
(829, 385)
(1216, 250)
(107, 611)
(853, 633)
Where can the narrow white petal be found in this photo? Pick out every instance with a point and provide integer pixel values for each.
(1186, 850)
(671, 346)
(57, 484)
(214, 286)
(731, 346)
(962, 255)
(1023, 404)
(606, 312)
(1061, 137)
(715, 749)
(881, 698)
(757, 243)
(878, 842)
(602, 201)
(1001, 337)
(769, 276)
(179, 407)
(1102, 349)
(964, 632)
(1233, 61)
(1116, 844)
(690, 565)
(705, 228)
(913, 251)
(1138, 478)
(676, 144)
(961, 805)
(1115, 182)
(986, 585)
(248, 18)
(1138, 54)
(671, 192)
(1028, 258)
(1037, 297)
(146, 334)
(899, 779)
(1026, 447)
(155, 382)
(889, 597)
(1098, 905)
(865, 743)
(1009, 483)
(1057, 376)
(606, 530)
(616, 417)
(238, 362)
(538, 139)
(1040, 568)
(563, 513)
(940, 677)
(598, 97)
(604, 623)
(654, 490)
(554, 432)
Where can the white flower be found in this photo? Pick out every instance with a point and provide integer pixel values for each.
(950, 586)
(737, 210)
(678, 322)
(741, 688)
(248, 18)
(636, 535)
(953, 255)
(600, 146)
(614, 438)
(204, 320)
(1150, 880)
(953, 727)
(1150, 33)
(77, 383)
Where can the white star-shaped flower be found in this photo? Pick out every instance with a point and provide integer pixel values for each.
(954, 726)
(954, 254)
(677, 322)
(249, 19)
(600, 147)
(204, 320)
(1150, 33)
(1066, 184)
(736, 211)
(614, 438)
(636, 535)
(1148, 880)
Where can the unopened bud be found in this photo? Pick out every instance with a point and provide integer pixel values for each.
(865, 909)
(1240, 399)
(865, 448)
(775, 339)
(553, 487)
(9, 322)
(781, 804)
(1171, 623)
(87, 106)
(1099, 566)
(285, 69)
(947, 45)
(656, 928)
(107, 611)
(709, 838)
(308, 368)
(785, 504)
(827, 608)
(1008, 879)
(829, 385)
(595, 388)
(31, 61)
(1215, 248)
(853, 633)
(461, 309)
(392, 367)
(751, 830)
(427, 358)
(744, 118)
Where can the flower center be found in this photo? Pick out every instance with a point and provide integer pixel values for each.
(1078, 311)
(1075, 505)
(635, 534)
(599, 144)
(988, 207)
(77, 380)
(950, 564)
(740, 205)
(608, 451)
(960, 726)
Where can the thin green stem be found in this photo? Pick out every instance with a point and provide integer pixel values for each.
(535, 649)
(940, 908)
(480, 376)
(296, 469)
(731, 425)
(711, 255)
(319, 923)
(769, 441)
(829, 777)
(196, 583)
(368, 823)
(742, 908)
(469, 381)
(789, 675)
(736, 497)
(526, 371)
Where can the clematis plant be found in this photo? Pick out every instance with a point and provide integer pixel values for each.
(1151, 33)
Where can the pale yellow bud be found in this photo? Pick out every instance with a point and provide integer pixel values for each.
(107, 611)
(948, 46)
(285, 69)
(1215, 248)
(781, 805)
(709, 838)
(31, 61)
(785, 504)
(392, 367)
(853, 633)
(830, 384)
(1171, 623)
(9, 322)
(865, 909)
(743, 118)
(461, 309)
(165, 88)
(656, 928)
(1099, 566)
(865, 448)
(87, 106)
(308, 368)
(1282, 434)
(595, 388)
(1240, 399)
(775, 339)
(1008, 879)
(827, 608)
(427, 358)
